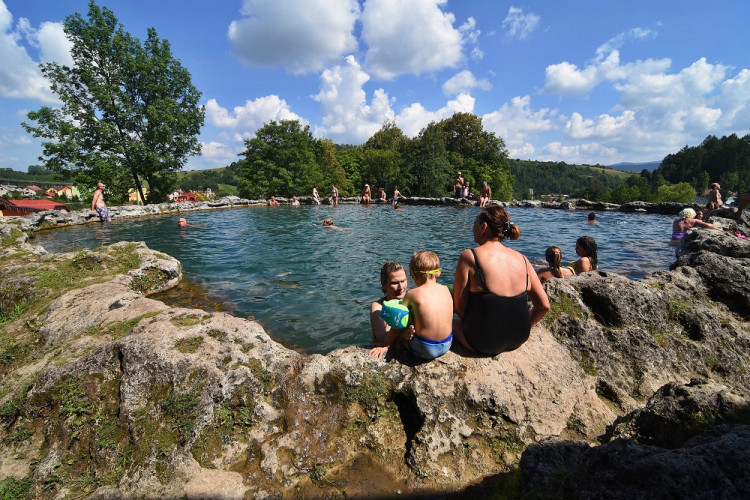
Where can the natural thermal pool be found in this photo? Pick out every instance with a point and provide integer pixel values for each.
(310, 287)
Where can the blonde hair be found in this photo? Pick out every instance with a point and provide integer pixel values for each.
(687, 213)
(424, 263)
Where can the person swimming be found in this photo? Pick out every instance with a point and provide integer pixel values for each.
(555, 269)
(587, 251)
(687, 221)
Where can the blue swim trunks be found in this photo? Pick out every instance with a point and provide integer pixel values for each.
(429, 349)
(103, 214)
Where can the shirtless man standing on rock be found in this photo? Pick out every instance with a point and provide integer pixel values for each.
(98, 205)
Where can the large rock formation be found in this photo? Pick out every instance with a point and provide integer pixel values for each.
(108, 393)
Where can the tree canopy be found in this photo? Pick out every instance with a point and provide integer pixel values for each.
(725, 160)
(283, 159)
(129, 111)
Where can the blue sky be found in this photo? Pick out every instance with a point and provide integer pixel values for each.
(575, 81)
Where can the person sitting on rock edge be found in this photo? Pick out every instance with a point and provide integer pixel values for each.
(393, 282)
(430, 333)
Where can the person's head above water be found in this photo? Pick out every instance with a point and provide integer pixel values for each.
(393, 280)
(592, 216)
(586, 247)
(687, 213)
(498, 223)
(182, 222)
(423, 266)
(328, 222)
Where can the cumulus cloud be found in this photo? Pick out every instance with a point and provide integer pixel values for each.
(346, 115)
(579, 153)
(518, 24)
(465, 82)
(734, 101)
(301, 35)
(515, 122)
(409, 37)
(218, 153)
(20, 77)
(245, 120)
(415, 117)
(566, 78)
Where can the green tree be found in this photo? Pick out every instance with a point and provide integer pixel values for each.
(681, 192)
(429, 161)
(478, 154)
(129, 111)
(332, 171)
(279, 161)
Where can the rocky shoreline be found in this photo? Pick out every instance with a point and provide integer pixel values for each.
(628, 389)
(53, 219)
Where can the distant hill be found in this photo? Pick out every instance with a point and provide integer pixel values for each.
(636, 167)
(561, 178)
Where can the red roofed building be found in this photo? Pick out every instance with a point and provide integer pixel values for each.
(26, 207)
(36, 189)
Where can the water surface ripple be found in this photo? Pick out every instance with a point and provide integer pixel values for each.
(311, 287)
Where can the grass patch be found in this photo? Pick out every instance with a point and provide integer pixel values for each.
(675, 307)
(182, 410)
(217, 334)
(660, 335)
(119, 329)
(588, 364)
(370, 395)
(562, 305)
(148, 279)
(259, 372)
(10, 240)
(188, 320)
(188, 345)
(13, 489)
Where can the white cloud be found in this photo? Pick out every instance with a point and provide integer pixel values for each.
(409, 37)
(579, 153)
(734, 101)
(16, 139)
(471, 37)
(218, 153)
(346, 115)
(301, 35)
(464, 82)
(604, 126)
(518, 24)
(245, 120)
(515, 122)
(565, 78)
(52, 43)
(415, 117)
(20, 77)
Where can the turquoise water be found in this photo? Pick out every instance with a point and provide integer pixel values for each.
(310, 287)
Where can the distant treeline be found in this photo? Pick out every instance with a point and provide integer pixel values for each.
(36, 174)
(560, 178)
(725, 160)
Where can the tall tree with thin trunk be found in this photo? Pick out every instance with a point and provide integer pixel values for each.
(129, 112)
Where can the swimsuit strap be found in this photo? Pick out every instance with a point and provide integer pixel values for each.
(525, 264)
(478, 270)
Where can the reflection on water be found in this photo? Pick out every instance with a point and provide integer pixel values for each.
(310, 286)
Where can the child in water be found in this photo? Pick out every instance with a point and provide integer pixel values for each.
(430, 312)
(586, 250)
(555, 269)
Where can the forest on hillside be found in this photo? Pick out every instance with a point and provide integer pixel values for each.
(725, 160)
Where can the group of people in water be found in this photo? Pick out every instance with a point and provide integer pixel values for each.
(487, 309)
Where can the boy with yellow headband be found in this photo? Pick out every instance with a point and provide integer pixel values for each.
(430, 311)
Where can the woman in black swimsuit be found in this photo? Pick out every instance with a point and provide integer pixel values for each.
(492, 287)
